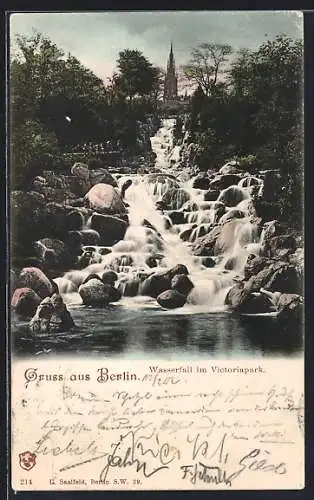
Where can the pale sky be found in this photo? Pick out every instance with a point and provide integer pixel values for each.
(96, 38)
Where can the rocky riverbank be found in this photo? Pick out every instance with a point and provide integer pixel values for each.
(181, 237)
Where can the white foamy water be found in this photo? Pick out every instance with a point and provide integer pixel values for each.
(141, 241)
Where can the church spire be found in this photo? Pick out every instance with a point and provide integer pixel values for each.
(170, 89)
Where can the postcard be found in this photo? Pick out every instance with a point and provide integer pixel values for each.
(156, 250)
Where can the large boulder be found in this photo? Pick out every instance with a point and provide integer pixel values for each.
(25, 301)
(285, 280)
(201, 181)
(90, 255)
(129, 287)
(181, 283)
(109, 278)
(53, 253)
(104, 198)
(254, 265)
(231, 167)
(232, 195)
(177, 217)
(177, 269)
(51, 315)
(279, 247)
(101, 176)
(224, 181)
(95, 293)
(155, 284)
(211, 195)
(111, 229)
(171, 299)
(204, 246)
(241, 300)
(34, 278)
(175, 198)
(80, 170)
(290, 308)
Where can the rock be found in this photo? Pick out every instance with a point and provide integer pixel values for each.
(40, 322)
(182, 284)
(109, 277)
(201, 181)
(186, 234)
(178, 269)
(254, 265)
(243, 301)
(232, 195)
(211, 195)
(231, 167)
(272, 228)
(111, 229)
(285, 280)
(259, 280)
(25, 301)
(130, 288)
(231, 263)
(89, 256)
(61, 315)
(290, 308)
(175, 198)
(80, 170)
(171, 299)
(51, 316)
(125, 186)
(77, 239)
(279, 247)
(208, 262)
(104, 198)
(224, 181)
(151, 261)
(204, 246)
(92, 276)
(155, 284)
(53, 253)
(34, 278)
(94, 293)
(113, 293)
(101, 176)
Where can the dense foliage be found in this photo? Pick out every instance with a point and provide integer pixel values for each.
(256, 110)
(57, 104)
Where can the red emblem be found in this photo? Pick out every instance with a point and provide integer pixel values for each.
(27, 460)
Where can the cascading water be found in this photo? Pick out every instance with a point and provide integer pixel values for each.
(149, 236)
(159, 237)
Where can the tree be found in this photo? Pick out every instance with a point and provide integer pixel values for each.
(136, 76)
(207, 65)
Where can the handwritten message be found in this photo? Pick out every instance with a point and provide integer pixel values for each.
(103, 425)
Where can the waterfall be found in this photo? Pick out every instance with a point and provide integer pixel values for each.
(150, 238)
